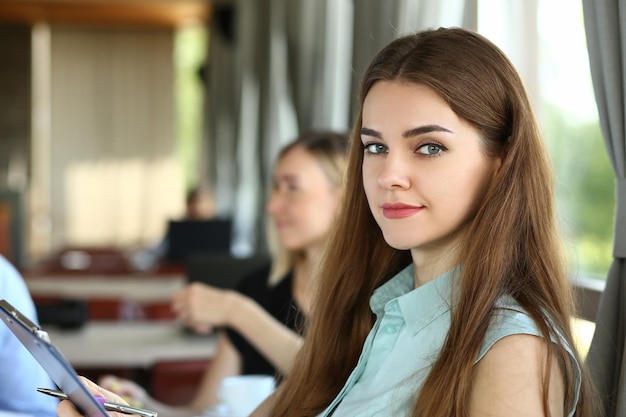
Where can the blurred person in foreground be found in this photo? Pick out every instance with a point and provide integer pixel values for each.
(20, 373)
(260, 323)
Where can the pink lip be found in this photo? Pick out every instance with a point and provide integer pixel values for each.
(280, 224)
(399, 210)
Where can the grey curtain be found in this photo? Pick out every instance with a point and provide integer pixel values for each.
(272, 63)
(279, 67)
(606, 41)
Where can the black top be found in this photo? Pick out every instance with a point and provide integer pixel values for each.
(278, 301)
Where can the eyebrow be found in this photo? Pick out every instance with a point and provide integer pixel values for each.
(409, 133)
(285, 178)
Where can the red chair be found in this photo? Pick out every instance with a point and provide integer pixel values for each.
(175, 383)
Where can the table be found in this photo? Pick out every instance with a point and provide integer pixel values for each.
(156, 354)
(110, 297)
(139, 344)
(140, 288)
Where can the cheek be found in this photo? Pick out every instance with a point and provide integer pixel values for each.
(468, 191)
(307, 211)
(322, 212)
(326, 209)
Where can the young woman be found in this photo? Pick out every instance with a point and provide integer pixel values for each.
(444, 291)
(263, 318)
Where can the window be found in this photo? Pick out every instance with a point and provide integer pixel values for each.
(553, 62)
(585, 188)
(190, 46)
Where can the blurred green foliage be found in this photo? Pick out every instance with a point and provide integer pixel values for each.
(190, 50)
(585, 190)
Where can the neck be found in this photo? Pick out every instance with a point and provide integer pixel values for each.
(306, 262)
(434, 260)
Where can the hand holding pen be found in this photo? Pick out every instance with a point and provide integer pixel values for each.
(114, 402)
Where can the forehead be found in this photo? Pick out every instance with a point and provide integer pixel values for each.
(297, 161)
(401, 105)
(406, 91)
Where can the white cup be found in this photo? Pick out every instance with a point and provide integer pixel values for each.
(243, 393)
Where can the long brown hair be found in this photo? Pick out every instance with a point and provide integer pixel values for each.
(511, 247)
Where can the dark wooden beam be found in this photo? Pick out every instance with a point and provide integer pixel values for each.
(105, 12)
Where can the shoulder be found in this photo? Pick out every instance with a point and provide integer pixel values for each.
(8, 274)
(524, 347)
(12, 283)
(254, 280)
(508, 380)
(513, 353)
(257, 286)
(508, 319)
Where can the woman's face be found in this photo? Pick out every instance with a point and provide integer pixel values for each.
(424, 171)
(303, 201)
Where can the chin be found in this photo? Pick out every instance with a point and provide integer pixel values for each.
(291, 245)
(400, 244)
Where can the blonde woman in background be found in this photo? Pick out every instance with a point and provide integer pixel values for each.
(260, 323)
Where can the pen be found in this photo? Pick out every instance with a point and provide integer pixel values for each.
(126, 409)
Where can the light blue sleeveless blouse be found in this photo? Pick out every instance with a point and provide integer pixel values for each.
(407, 336)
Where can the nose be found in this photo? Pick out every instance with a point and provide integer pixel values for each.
(394, 173)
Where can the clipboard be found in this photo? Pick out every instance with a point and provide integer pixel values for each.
(60, 370)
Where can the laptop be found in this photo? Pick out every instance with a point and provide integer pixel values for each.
(186, 237)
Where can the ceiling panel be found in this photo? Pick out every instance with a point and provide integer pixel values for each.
(105, 12)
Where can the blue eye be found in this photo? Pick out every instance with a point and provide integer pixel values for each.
(374, 148)
(431, 149)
